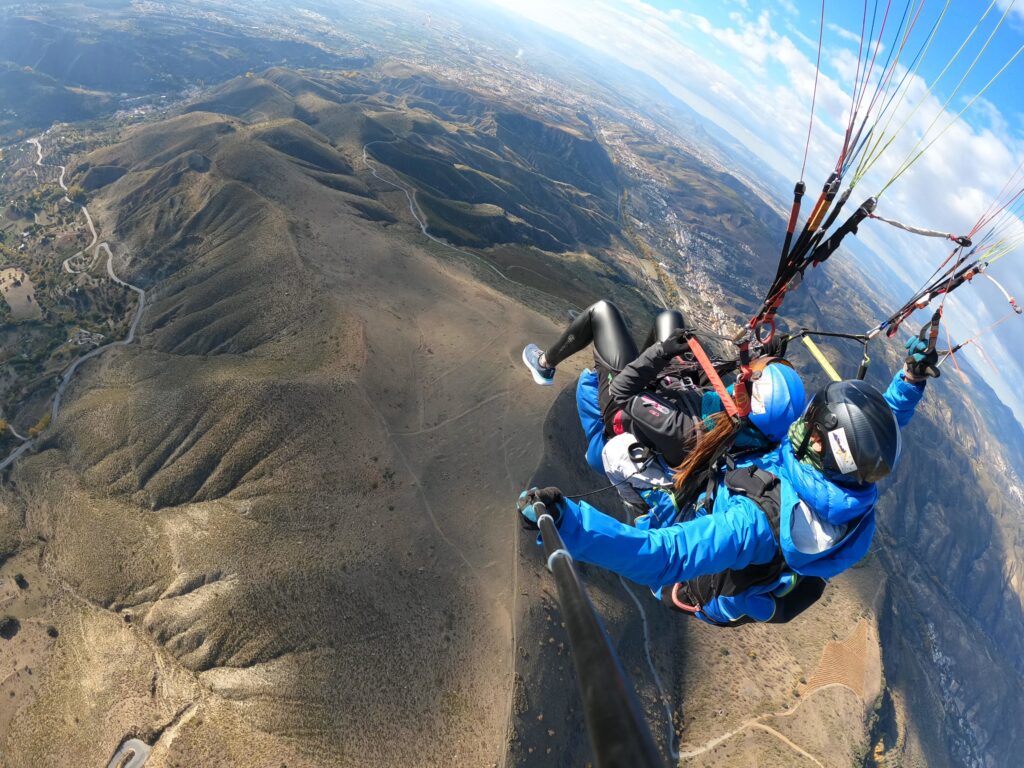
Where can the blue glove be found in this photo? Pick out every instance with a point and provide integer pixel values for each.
(550, 497)
(921, 362)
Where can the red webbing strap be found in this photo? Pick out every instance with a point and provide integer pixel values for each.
(713, 377)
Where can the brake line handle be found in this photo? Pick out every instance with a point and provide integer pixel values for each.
(768, 321)
(933, 330)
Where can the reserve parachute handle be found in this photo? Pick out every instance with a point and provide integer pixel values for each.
(619, 736)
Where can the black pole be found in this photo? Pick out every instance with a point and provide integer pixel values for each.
(618, 733)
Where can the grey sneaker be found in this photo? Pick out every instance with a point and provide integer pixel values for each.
(531, 356)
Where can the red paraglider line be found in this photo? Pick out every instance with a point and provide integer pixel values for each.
(814, 94)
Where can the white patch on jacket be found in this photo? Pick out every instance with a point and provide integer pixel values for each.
(634, 476)
(811, 534)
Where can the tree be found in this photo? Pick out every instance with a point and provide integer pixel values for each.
(77, 194)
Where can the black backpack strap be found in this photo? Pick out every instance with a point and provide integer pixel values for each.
(709, 491)
(688, 498)
(763, 488)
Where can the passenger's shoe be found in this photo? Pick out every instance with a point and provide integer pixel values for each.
(531, 356)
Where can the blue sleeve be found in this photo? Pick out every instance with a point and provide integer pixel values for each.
(733, 537)
(903, 397)
(589, 410)
(661, 509)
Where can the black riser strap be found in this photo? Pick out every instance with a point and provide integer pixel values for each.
(829, 246)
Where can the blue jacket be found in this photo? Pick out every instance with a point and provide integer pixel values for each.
(658, 553)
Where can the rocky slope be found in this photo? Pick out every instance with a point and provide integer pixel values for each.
(276, 528)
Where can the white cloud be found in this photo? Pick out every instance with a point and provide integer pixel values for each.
(807, 41)
(996, 120)
(844, 61)
(843, 32)
(759, 89)
(648, 11)
(1018, 7)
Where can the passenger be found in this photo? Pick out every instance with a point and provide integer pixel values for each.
(761, 544)
(644, 413)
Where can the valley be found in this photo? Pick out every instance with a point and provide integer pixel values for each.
(265, 427)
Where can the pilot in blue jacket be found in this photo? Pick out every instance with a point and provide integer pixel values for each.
(827, 467)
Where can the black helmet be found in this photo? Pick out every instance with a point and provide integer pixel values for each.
(858, 431)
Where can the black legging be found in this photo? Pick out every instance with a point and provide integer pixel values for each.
(602, 325)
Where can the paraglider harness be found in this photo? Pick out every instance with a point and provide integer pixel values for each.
(761, 487)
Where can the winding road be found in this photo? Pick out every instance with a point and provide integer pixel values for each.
(135, 750)
(671, 742)
(95, 247)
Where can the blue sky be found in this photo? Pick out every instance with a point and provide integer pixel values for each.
(748, 65)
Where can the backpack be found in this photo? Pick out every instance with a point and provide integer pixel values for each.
(763, 488)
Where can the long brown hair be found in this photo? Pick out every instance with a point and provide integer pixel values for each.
(705, 447)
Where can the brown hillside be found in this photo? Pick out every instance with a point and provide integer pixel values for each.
(277, 526)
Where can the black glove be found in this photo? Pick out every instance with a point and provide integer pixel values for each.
(776, 346)
(551, 498)
(675, 345)
(921, 362)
